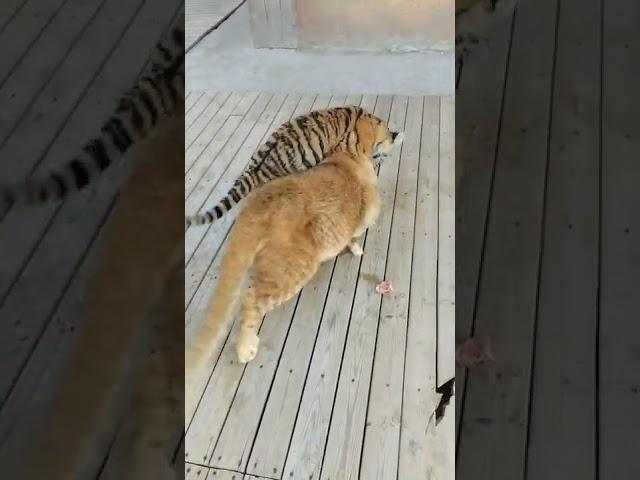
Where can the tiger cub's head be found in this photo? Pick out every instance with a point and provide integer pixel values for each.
(375, 138)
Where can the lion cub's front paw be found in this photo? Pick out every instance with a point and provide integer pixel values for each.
(247, 347)
(356, 249)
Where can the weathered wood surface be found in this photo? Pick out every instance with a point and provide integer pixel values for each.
(342, 373)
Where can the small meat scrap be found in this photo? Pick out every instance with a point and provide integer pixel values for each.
(385, 287)
(474, 352)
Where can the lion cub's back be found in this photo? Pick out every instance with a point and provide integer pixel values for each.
(297, 199)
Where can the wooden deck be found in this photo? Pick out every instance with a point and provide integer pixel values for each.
(344, 383)
(64, 64)
(548, 256)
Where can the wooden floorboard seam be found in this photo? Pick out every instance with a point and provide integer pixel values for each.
(68, 51)
(251, 433)
(462, 392)
(52, 141)
(541, 249)
(375, 343)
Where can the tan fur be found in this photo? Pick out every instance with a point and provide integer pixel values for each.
(297, 146)
(154, 423)
(142, 249)
(286, 230)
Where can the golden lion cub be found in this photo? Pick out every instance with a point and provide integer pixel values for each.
(286, 230)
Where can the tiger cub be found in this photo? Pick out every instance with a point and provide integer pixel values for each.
(286, 230)
(296, 146)
(155, 96)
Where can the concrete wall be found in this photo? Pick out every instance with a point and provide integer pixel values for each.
(353, 25)
(378, 25)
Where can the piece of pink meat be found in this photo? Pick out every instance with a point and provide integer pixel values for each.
(474, 352)
(384, 287)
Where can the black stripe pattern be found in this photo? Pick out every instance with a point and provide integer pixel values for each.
(297, 145)
(137, 114)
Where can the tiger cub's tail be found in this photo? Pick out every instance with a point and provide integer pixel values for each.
(154, 96)
(253, 176)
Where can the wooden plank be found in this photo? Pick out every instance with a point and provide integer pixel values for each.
(42, 110)
(276, 424)
(33, 386)
(563, 408)
(281, 413)
(195, 151)
(197, 306)
(494, 419)
(44, 122)
(344, 441)
(203, 443)
(223, 126)
(85, 119)
(304, 458)
(20, 90)
(384, 411)
(210, 244)
(203, 120)
(219, 180)
(446, 244)
(337, 101)
(420, 448)
(619, 348)
(235, 444)
(9, 9)
(478, 116)
(199, 107)
(153, 413)
(353, 100)
(274, 434)
(198, 472)
(22, 30)
(444, 433)
(204, 185)
(370, 104)
(84, 212)
(213, 239)
(194, 235)
(191, 99)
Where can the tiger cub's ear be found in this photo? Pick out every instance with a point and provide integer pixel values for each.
(366, 134)
(397, 137)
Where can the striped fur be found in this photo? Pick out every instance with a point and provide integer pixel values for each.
(155, 95)
(295, 146)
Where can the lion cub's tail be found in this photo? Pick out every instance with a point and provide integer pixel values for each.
(243, 247)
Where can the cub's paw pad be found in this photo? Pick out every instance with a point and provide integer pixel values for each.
(247, 348)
